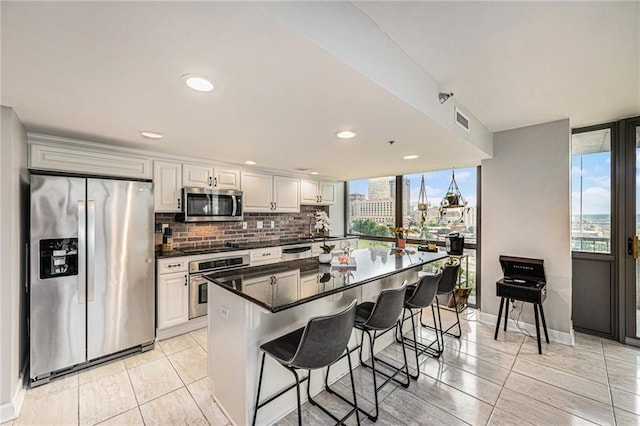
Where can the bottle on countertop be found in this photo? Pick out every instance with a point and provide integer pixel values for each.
(167, 240)
(159, 238)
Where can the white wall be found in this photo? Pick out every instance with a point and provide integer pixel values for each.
(526, 212)
(13, 233)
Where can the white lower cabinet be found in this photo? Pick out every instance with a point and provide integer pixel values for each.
(173, 299)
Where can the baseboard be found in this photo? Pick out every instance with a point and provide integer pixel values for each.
(11, 410)
(554, 335)
(177, 330)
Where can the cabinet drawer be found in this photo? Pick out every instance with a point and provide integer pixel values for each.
(265, 255)
(167, 266)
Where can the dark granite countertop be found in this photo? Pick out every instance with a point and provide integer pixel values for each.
(277, 287)
(242, 245)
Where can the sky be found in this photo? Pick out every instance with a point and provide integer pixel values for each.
(594, 174)
(436, 184)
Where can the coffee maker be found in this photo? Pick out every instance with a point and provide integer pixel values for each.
(454, 244)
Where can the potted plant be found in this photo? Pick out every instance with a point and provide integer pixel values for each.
(323, 225)
(401, 236)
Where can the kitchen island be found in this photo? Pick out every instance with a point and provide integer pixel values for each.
(250, 306)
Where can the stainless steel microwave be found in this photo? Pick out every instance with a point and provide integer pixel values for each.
(210, 205)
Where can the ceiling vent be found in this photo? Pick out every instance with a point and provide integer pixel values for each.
(462, 120)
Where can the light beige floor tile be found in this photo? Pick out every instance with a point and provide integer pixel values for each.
(154, 379)
(508, 342)
(577, 384)
(100, 371)
(621, 380)
(485, 353)
(624, 418)
(106, 397)
(128, 418)
(626, 400)
(464, 381)
(60, 408)
(144, 357)
(573, 364)
(530, 346)
(504, 418)
(191, 364)
(53, 387)
(457, 403)
(177, 344)
(175, 408)
(564, 400)
(203, 395)
(473, 365)
(588, 343)
(408, 408)
(201, 337)
(623, 367)
(536, 412)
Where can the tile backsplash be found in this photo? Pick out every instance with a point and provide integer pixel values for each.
(211, 234)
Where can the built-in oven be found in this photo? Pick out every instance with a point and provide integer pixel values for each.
(210, 205)
(198, 285)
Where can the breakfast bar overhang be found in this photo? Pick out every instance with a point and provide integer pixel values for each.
(250, 306)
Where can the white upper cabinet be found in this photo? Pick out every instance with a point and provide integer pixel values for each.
(317, 192)
(286, 194)
(167, 186)
(226, 178)
(204, 176)
(197, 175)
(266, 193)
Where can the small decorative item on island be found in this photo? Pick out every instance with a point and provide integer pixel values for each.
(401, 236)
(323, 224)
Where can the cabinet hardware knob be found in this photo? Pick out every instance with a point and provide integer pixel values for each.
(178, 203)
(185, 281)
(210, 181)
(215, 181)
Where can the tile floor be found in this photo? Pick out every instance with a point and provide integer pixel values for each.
(478, 381)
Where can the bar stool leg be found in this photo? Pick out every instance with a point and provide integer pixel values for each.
(255, 410)
(353, 387)
(495, 336)
(544, 323)
(455, 307)
(298, 396)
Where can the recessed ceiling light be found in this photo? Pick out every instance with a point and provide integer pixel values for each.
(410, 157)
(198, 82)
(249, 162)
(313, 173)
(151, 135)
(346, 134)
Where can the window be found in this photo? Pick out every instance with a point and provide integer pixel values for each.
(591, 191)
(438, 223)
(371, 208)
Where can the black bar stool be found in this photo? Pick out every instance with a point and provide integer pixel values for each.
(379, 318)
(418, 297)
(447, 285)
(320, 344)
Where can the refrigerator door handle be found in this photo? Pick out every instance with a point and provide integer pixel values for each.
(91, 249)
(82, 245)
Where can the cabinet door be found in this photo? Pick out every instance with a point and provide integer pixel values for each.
(309, 193)
(286, 194)
(327, 192)
(257, 191)
(309, 285)
(173, 299)
(226, 178)
(286, 287)
(197, 175)
(167, 182)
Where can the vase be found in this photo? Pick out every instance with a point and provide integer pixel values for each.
(325, 258)
(401, 243)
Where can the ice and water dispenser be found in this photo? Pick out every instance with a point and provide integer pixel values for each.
(58, 257)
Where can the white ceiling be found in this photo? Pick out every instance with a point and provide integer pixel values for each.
(106, 71)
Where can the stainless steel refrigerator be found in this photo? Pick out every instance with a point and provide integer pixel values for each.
(92, 290)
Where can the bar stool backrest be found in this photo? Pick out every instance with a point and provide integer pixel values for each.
(387, 309)
(324, 339)
(425, 292)
(449, 278)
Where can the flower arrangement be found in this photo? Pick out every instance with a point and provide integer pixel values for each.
(400, 233)
(323, 225)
